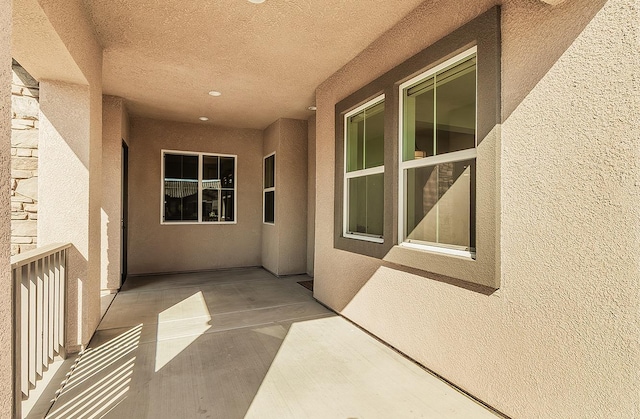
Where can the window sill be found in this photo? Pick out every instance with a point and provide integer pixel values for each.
(182, 223)
(442, 250)
(479, 271)
(363, 238)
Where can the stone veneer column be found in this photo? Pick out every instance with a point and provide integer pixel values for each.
(7, 353)
(25, 108)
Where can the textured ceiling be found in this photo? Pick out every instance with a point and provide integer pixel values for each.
(163, 56)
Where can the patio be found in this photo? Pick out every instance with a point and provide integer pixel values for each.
(242, 343)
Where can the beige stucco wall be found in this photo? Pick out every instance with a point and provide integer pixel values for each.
(311, 193)
(124, 124)
(37, 45)
(291, 178)
(6, 293)
(170, 248)
(114, 127)
(64, 191)
(56, 44)
(561, 336)
(284, 243)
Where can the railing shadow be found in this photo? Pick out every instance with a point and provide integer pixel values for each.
(183, 350)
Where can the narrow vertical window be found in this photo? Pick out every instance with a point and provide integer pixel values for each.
(364, 172)
(269, 189)
(438, 158)
(198, 187)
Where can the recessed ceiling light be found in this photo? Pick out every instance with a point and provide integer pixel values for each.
(203, 118)
(312, 108)
(215, 93)
(256, 1)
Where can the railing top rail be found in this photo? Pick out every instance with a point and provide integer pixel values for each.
(37, 253)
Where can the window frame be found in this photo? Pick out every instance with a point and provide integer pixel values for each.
(201, 156)
(483, 272)
(431, 161)
(357, 174)
(270, 189)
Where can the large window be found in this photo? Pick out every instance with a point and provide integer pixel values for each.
(425, 195)
(438, 157)
(364, 172)
(269, 190)
(198, 187)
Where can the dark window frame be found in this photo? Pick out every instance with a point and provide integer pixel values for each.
(482, 32)
(268, 189)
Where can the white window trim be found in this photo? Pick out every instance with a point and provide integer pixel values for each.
(272, 189)
(354, 174)
(200, 158)
(467, 154)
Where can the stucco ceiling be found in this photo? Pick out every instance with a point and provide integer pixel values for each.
(164, 56)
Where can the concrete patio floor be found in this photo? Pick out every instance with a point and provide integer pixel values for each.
(242, 343)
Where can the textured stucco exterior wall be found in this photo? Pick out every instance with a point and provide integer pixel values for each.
(284, 243)
(55, 42)
(170, 248)
(311, 193)
(113, 132)
(291, 175)
(561, 335)
(124, 127)
(64, 191)
(70, 20)
(6, 287)
(38, 47)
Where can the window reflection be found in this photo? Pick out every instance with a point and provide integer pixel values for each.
(366, 205)
(217, 188)
(181, 188)
(192, 195)
(440, 205)
(440, 112)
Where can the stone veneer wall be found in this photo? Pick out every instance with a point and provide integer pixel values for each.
(24, 160)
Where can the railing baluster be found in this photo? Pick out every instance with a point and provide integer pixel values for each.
(63, 300)
(16, 310)
(56, 303)
(39, 316)
(23, 284)
(51, 262)
(32, 325)
(45, 313)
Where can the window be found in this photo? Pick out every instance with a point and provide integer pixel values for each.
(438, 157)
(437, 191)
(198, 187)
(269, 189)
(364, 172)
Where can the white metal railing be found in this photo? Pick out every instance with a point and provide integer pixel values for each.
(40, 283)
